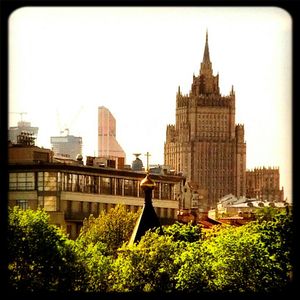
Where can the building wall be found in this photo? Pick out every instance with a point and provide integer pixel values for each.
(264, 184)
(21, 154)
(67, 145)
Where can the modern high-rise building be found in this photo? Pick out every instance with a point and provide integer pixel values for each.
(15, 131)
(68, 145)
(205, 144)
(108, 145)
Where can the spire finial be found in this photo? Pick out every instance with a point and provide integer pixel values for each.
(206, 67)
(206, 58)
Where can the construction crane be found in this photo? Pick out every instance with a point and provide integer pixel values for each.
(19, 113)
(67, 128)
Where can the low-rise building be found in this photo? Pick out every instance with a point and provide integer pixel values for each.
(70, 192)
(238, 211)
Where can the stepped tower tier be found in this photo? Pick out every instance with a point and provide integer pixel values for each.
(206, 83)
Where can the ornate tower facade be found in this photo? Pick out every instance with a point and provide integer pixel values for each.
(205, 144)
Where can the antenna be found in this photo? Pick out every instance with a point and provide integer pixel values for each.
(19, 113)
(148, 155)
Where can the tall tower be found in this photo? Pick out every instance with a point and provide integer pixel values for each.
(108, 145)
(205, 144)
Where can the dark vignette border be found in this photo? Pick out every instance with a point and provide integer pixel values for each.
(9, 6)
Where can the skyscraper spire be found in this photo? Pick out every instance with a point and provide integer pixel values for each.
(206, 50)
(206, 67)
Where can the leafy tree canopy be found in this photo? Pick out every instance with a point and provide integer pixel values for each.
(40, 256)
(111, 229)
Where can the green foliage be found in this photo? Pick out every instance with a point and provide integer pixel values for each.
(148, 266)
(250, 258)
(97, 266)
(266, 213)
(195, 273)
(183, 232)
(255, 257)
(112, 229)
(151, 265)
(98, 242)
(40, 257)
(277, 237)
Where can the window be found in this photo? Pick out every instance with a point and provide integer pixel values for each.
(23, 181)
(119, 182)
(47, 181)
(106, 186)
(128, 187)
(50, 203)
(23, 204)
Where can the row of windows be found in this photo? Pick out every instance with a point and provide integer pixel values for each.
(213, 116)
(212, 126)
(46, 202)
(88, 208)
(56, 181)
(207, 134)
(80, 209)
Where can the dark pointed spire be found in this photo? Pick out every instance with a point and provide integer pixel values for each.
(179, 92)
(148, 218)
(232, 91)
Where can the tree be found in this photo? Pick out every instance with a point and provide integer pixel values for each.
(97, 266)
(266, 213)
(250, 258)
(40, 256)
(151, 264)
(98, 242)
(112, 229)
(183, 232)
(147, 266)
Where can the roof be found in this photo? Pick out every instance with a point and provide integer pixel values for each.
(208, 223)
(146, 221)
(91, 169)
(259, 203)
(148, 218)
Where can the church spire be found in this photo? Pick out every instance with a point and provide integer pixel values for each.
(206, 67)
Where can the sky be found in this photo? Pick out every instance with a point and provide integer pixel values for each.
(65, 62)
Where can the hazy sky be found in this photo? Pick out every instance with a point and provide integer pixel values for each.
(66, 62)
